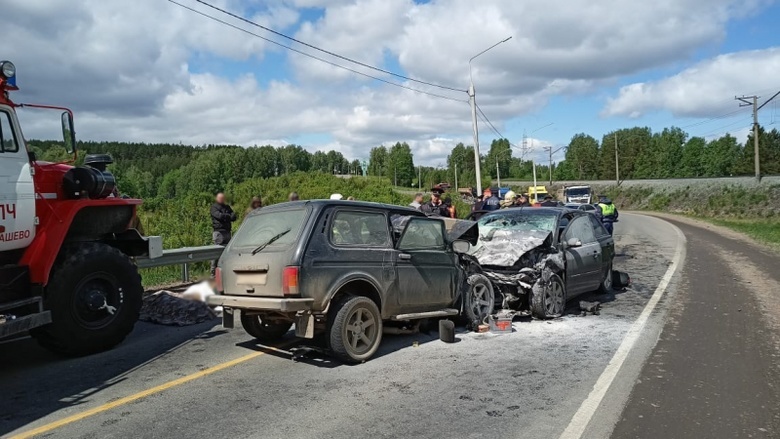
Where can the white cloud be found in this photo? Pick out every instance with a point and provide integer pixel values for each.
(704, 90)
(127, 67)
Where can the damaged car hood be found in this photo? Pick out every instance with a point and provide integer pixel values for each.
(504, 247)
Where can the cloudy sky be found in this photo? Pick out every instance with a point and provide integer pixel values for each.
(153, 71)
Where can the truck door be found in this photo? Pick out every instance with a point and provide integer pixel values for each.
(17, 193)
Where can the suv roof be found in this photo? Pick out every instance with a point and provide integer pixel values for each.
(347, 203)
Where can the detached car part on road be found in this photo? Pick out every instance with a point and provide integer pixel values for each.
(541, 257)
(343, 269)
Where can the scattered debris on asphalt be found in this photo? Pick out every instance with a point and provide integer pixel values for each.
(589, 307)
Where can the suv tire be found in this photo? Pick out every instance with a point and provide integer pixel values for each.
(355, 329)
(94, 295)
(263, 330)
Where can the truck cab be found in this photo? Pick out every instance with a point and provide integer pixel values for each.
(66, 242)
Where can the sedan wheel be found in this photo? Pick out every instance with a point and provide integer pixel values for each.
(480, 299)
(606, 284)
(548, 298)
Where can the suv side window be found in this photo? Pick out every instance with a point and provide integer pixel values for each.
(423, 233)
(7, 138)
(598, 228)
(359, 228)
(580, 228)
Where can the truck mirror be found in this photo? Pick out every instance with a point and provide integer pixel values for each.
(68, 134)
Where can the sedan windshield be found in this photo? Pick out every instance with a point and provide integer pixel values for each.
(517, 219)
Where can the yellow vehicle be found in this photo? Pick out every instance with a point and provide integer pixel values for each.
(537, 192)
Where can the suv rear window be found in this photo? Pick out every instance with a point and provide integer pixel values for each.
(360, 228)
(258, 229)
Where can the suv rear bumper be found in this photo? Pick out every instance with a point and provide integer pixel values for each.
(261, 303)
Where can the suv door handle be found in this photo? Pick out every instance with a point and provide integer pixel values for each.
(405, 257)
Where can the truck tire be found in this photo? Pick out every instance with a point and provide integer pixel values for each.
(479, 300)
(548, 297)
(94, 295)
(262, 330)
(355, 329)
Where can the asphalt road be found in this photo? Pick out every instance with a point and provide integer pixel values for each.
(570, 377)
(715, 371)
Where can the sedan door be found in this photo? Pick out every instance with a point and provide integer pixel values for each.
(426, 268)
(583, 261)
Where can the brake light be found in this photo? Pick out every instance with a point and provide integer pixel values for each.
(218, 280)
(290, 281)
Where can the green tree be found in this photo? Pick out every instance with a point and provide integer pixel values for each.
(582, 157)
(499, 158)
(377, 162)
(692, 160)
(721, 156)
(400, 167)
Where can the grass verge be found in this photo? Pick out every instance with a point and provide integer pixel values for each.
(765, 231)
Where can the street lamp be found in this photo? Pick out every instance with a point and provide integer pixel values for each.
(473, 103)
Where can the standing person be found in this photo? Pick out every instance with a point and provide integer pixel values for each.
(609, 213)
(493, 202)
(522, 201)
(480, 204)
(548, 202)
(256, 203)
(509, 200)
(293, 196)
(221, 218)
(418, 201)
(450, 206)
(436, 206)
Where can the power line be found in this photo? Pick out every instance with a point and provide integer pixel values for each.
(246, 20)
(316, 57)
(712, 119)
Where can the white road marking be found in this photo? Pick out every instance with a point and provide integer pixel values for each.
(579, 422)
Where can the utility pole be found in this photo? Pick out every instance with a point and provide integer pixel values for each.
(753, 101)
(395, 175)
(456, 176)
(419, 177)
(617, 164)
(473, 103)
(551, 152)
(498, 174)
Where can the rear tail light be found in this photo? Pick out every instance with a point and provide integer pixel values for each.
(290, 281)
(218, 280)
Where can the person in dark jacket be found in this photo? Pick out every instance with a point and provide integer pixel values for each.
(436, 206)
(548, 202)
(492, 203)
(222, 217)
(522, 201)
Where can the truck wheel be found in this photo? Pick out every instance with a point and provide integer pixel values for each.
(606, 284)
(480, 299)
(355, 329)
(262, 330)
(548, 297)
(94, 295)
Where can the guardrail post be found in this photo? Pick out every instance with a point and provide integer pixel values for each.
(185, 272)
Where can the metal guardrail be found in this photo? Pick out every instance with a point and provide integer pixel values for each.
(182, 256)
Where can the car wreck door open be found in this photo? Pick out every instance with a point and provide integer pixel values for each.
(583, 260)
(426, 270)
